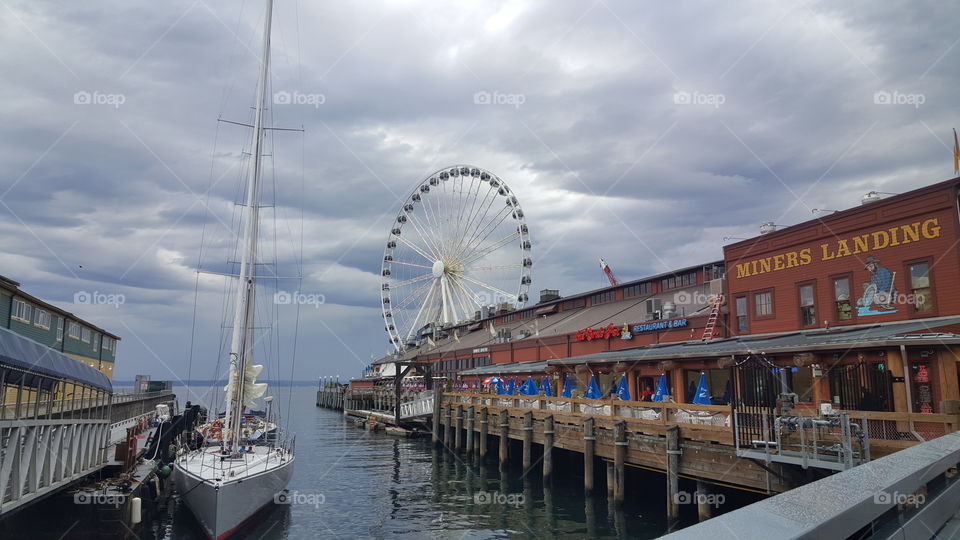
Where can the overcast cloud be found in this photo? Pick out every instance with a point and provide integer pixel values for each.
(643, 132)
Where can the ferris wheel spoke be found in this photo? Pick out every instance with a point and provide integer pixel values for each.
(487, 286)
(427, 239)
(487, 268)
(473, 205)
(468, 293)
(479, 223)
(430, 217)
(477, 253)
(426, 303)
(415, 248)
(462, 298)
(481, 236)
(403, 303)
(411, 264)
(411, 281)
(447, 302)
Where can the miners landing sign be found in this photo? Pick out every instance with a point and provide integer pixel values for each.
(871, 242)
(589, 334)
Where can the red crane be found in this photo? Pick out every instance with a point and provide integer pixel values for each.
(608, 272)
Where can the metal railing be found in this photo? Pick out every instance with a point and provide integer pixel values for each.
(909, 494)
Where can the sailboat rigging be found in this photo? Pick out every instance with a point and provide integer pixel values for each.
(243, 461)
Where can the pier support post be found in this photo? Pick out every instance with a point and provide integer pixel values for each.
(547, 448)
(619, 460)
(610, 479)
(704, 510)
(527, 440)
(588, 465)
(504, 438)
(448, 427)
(458, 429)
(483, 432)
(673, 455)
(436, 417)
(470, 425)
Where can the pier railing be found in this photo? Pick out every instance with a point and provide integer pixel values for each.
(888, 431)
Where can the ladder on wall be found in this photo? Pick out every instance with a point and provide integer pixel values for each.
(710, 329)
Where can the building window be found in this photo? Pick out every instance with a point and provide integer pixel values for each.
(85, 334)
(920, 286)
(73, 330)
(509, 318)
(743, 314)
(527, 314)
(21, 311)
(841, 297)
(678, 280)
(808, 309)
(573, 304)
(602, 298)
(41, 318)
(638, 289)
(763, 304)
(94, 342)
(59, 328)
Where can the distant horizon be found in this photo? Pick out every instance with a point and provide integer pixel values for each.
(211, 382)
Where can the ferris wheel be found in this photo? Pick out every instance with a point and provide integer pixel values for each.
(458, 246)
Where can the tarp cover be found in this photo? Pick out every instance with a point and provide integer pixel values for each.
(23, 353)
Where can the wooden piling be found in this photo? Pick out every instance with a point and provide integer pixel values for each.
(483, 432)
(527, 440)
(673, 455)
(610, 478)
(504, 438)
(619, 460)
(436, 416)
(458, 429)
(704, 510)
(589, 440)
(547, 448)
(470, 425)
(448, 427)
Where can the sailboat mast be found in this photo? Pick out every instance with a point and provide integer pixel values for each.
(241, 347)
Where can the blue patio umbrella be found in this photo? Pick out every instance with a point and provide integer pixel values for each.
(593, 390)
(567, 388)
(511, 387)
(498, 384)
(529, 387)
(662, 390)
(702, 397)
(623, 390)
(547, 387)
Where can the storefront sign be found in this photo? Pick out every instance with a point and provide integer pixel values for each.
(481, 350)
(659, 325)
(589, 334)
(843, 247)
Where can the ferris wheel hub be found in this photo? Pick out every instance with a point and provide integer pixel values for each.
(438, 269)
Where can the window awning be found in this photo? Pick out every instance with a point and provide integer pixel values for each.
(546, 310)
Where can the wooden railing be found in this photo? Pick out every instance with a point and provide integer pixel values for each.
(703, 422)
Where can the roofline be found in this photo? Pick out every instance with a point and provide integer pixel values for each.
(840, 214)
(12, 286)
(593, 291)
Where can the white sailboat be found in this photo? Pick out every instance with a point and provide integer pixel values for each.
(226, 483)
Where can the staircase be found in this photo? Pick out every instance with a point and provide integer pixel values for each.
(711, 328)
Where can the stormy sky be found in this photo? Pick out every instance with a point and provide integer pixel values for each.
(643, 132)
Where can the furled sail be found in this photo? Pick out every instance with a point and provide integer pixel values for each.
(251, 388)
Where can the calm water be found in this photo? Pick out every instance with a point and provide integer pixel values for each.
(350, 483)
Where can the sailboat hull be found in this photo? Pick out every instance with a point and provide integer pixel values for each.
(223, 508)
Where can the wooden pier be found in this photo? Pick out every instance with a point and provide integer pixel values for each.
(678, 439)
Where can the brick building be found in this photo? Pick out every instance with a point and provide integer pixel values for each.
(859, 309)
